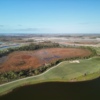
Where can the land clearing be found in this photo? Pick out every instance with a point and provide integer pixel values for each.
(74, 61)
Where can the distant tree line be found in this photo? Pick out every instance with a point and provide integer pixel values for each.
(33, 46)
(29, 47)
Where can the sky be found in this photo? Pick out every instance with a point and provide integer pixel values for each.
(49, 16)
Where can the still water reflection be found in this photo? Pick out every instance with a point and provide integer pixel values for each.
(89, 90)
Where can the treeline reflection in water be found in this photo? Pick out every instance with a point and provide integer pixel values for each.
(89, 90)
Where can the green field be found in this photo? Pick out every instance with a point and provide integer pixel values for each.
(97, 50)
(65, 71)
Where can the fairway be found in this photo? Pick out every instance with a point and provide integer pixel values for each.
(65, 72)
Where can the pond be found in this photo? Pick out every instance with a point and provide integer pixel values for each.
(1, 42)
(5, 47)
(89, 90)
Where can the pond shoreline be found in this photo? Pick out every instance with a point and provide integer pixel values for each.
(55, 89)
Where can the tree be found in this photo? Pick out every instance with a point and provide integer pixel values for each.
(36, 71)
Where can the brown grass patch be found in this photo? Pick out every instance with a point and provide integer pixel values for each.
(21, 60)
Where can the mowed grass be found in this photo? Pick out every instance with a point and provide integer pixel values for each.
(68, 71)
(64, 72)
(97, 50)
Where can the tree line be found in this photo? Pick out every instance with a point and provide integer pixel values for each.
(29, 47)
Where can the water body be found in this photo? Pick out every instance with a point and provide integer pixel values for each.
(89, 90)
(1, 42)
(5, 47)
(8, 46)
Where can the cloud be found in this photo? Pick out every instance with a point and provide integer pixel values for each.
(1, 25)
(28, 29)
(19, 25)
(89, 23)
(84, 23)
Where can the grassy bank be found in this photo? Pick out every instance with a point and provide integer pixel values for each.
(65, 71)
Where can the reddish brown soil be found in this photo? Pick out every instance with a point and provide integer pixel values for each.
(85, 42)
(21, 60)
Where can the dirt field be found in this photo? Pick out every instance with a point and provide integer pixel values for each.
(85, 42)
(20, 60)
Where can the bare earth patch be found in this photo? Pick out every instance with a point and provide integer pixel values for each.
(74, 61)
